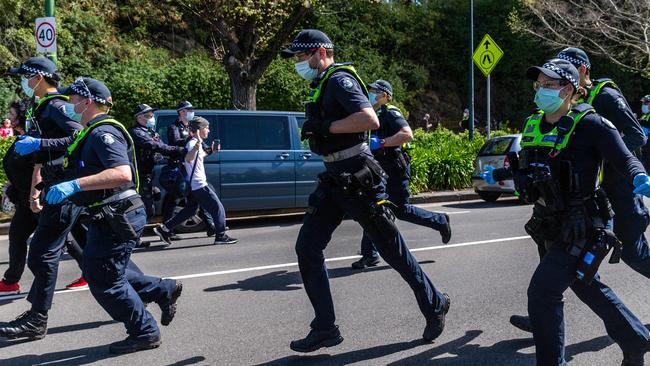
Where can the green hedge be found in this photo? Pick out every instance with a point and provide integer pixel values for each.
(4, 146)
(444, 160)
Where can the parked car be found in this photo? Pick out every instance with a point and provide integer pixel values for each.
(494, 152)
(262, 165)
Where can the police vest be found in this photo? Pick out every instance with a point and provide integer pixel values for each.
(74, 166)
(31, 119)
(336, 142)
(595, 90)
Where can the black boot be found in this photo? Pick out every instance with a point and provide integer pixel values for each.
(436, 324)
(317, 339)
(635, 359)
(30, 324)
(365, 262)
(130, 345)
(445, 231)
(168, 308)
(522, 322)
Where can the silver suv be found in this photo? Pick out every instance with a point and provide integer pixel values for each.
(494, 152)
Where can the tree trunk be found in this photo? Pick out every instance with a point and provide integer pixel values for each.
(243, 86)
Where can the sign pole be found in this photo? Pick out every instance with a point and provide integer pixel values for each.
(488, 107)
(471, 70)
(49, 12)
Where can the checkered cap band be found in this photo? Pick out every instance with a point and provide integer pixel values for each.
(573, 60)
(84, 92)
(382, 88)
(562, 73)
(36, 71)
(307, 46)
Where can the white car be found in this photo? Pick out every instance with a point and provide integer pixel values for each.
(495, 153)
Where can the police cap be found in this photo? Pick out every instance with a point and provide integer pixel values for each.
(91, 88)
(306, 40)
(382, 85)
(556, 69)
(184, 105)
(37, 65)
(576, 56)
(142, 109)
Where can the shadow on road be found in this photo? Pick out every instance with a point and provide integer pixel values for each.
(81, 356)
(188, 361)
(62, 329)
(289, 281)
(481, 204)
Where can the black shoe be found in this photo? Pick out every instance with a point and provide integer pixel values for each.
(174, 237)
(164, 235)
(30, 324)
(211, 231)
(635, 359)
(365, 262)
(169, 307)
(131, 345)
(317, 339)
(224, 239)
(436, 324)
(445, 231)
(522, 322)
(143, 244)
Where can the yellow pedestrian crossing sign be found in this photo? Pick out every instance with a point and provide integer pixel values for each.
(487, 55)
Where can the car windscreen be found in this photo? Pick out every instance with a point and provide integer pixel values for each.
(496, 146)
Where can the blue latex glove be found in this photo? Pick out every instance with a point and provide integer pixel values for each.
(375, 142)
(646, 131)
(61, 191)
(642, 184)
(27, 145)
(486, 175)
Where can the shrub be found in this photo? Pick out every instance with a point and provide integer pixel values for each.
(4, 146)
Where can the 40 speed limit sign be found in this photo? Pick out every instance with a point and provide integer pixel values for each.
(45, 33)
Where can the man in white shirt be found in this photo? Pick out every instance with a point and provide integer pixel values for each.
(200, 190)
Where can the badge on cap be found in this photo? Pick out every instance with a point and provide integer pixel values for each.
(108, 139)
(347, 83)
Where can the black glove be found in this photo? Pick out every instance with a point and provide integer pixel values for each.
(574, 225)
(314, 127)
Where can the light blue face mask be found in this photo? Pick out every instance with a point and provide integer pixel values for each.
(70, 112)
(305, 71)
(24, 83)
(548, 100)
(372, 97)
(190, 115)
(151, 123)
(645, 109)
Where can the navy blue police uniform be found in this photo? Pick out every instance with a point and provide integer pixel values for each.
(645, 125)
(147, 145)
(354, 185)
(396, 163)
(558, 171)
(632, 216)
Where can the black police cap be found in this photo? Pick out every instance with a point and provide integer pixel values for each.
(576, 56)
(37, 65)
(382, 85)
(184, 105)
(91, 88)
(142, 109)
(307, 39)
(556, 69)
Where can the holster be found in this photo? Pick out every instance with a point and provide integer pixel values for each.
(357, 183)
(594, 251)
(114, 214)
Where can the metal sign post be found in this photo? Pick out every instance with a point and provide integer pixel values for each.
(488, 107)
(486, 56)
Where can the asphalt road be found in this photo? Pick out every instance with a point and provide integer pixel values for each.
(242, 304)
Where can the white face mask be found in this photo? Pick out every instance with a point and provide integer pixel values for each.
(151, 123)
(305, 71)
(189, 116)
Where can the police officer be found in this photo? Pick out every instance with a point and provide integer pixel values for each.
(338, 116)
(147, 145)
(563, 147)
(387, 145)
(631, 215)
(645, 125)
(45, 120)
(164, 292)
(178, 134)
(101, 175)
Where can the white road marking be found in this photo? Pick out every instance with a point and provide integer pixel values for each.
(295, 264)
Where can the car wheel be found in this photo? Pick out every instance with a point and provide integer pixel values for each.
(192, 225)
(489, 196)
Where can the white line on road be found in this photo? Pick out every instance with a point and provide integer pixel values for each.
(294, 264)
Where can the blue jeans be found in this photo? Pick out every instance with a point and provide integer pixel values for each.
(557, 272)
(397, 189)
(54, 224)
(206, 198)
(106, 259)
(630, 221)
(327, 206)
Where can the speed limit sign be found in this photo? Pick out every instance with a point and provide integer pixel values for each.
(45, 33)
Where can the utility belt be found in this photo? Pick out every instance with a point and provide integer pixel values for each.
(354, 184)
(113, 212)
(346, 153)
